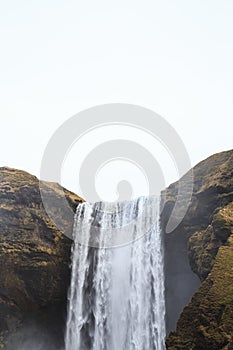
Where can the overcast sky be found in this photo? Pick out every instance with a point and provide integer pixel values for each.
(60, 57)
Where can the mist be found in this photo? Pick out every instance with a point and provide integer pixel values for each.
(33, 336)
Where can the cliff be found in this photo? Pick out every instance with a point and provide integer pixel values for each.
(206, 323)
(35, 257)
(34, 254)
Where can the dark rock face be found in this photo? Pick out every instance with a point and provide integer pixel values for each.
(34, 254)
(207, 242)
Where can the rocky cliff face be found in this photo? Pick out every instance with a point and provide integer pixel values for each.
(34, 254)
(35, 257)
(207, 230)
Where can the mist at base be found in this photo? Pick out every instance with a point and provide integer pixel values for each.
(33, 336)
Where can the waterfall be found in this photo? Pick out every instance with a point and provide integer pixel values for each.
(116, 297)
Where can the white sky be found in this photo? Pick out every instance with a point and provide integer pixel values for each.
(60, 57)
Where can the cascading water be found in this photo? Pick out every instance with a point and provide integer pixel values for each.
(116, 298)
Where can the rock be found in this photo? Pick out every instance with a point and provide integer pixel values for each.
(206, 323)
(34, 254)
(35, 257)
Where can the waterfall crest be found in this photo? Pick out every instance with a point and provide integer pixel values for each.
(116, 297)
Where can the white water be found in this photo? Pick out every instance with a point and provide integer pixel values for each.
(116, 298)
